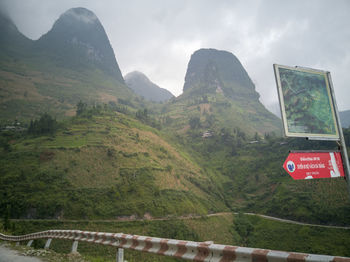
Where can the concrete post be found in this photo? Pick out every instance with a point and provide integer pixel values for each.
(75, 247)
(120, 255)
(48, 243)
(30, 242)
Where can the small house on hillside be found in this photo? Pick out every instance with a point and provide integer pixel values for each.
(207, 134)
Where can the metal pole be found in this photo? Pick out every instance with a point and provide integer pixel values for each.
(75, 247)
(120, 255)
(343, 150)
(48, 243)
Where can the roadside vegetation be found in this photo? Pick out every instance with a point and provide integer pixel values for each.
(227, 229)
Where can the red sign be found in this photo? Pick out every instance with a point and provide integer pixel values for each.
(310, 165)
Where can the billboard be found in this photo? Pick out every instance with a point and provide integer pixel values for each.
(306, 103)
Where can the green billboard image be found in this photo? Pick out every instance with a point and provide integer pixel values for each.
(306, 102)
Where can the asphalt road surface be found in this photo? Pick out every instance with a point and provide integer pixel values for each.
(8, 255)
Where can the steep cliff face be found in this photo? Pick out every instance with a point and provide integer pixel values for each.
(77, 39)
(219, 94)
(211, 70)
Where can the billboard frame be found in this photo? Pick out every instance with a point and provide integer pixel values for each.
(330, 96)
(340, 140)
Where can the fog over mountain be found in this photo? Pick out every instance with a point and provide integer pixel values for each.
(72, 62)
(77, 38)
(158, 37)
(144, 87)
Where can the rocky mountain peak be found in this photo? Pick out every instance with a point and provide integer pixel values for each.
(211, 70)
(82, 15)
(136, 75)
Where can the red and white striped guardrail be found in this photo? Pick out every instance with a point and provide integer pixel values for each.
(195, 251)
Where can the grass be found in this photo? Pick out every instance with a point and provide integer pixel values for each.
(99, 167)
(32, 86)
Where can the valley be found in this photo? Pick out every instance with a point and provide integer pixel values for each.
(82, 148)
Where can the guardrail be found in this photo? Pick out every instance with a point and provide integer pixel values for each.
(195, 251)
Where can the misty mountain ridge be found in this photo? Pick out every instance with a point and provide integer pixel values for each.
(345, 118)
(12, 42)
(73, 61)
(144, 87)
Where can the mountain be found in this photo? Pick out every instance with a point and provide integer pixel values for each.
(78, 39)
(218, 93)
(11, 40)
(345, 118)
(211, 71)
(73, 61)
(142, 86)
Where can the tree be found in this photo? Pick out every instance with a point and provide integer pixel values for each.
(6, 219)
(194, 122)
(256, 136)
(81, 108)
(46, 124)
(243, 227)
(142, 114)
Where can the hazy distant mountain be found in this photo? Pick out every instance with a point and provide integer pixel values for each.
(345, 118)
(77, 39)
(142, 86)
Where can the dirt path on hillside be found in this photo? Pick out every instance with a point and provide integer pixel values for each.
(296, 222)
(149, 218)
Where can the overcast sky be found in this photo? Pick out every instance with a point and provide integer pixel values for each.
(157, 37)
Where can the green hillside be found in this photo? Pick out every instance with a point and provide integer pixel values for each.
(253, 179)
(29, 92)
(105, 165)
(192, 115)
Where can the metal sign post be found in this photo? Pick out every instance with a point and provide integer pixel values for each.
(342, 145)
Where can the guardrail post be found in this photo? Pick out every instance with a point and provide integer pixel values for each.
(48, 243)
(75, 247)
(30, 242)
(120, 255)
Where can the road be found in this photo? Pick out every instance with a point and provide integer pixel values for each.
(8, 255)
(296, 222)
(189, 217)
